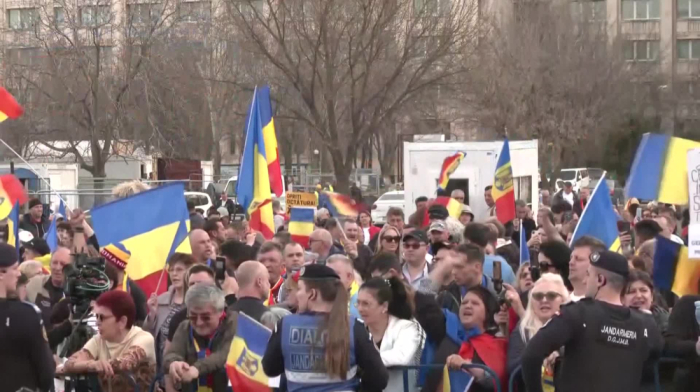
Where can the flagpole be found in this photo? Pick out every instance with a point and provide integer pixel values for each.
(35, 171)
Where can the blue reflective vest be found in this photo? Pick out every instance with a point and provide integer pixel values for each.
(304, 356)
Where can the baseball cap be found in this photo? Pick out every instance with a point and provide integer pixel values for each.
(418, 235)
(38, 245)
(610, 261)
(438, 225)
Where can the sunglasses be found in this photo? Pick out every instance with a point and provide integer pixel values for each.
(102, 317)
(544, 267)
(392, 238)
(550, 295)
(204, 317)
(412, 245)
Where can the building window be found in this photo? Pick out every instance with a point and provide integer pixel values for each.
(523, 188)
(641, 50)
(640, 9)
(195, 11)
(144, 13)
(589, 11)
(688, 49)
(689, 8)
(59, 16)
(22, 19)
(95, 15)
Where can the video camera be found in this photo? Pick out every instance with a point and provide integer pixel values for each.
(85, 280)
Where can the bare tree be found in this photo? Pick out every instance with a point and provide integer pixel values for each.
(344, 67)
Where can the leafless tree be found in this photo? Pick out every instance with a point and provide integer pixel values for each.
(344, 67)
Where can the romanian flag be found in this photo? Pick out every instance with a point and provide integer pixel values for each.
(449, 165)
(9, 108)
(244, 363)
(660, 169)
(11, 192)
(271, 151)
(673, 270)
(150, 225)
(13, 227)
(455, 380)
(338, 205)
(301, 224)
(599, 219)
(253, 188)
(51, 234)
(454, 208)
(503, 192)
(524, 250)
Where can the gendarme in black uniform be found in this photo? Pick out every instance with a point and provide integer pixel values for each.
(605, 345)
(25, 357)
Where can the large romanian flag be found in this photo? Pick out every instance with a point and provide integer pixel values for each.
(599, 219)
(244, 363)
(338, 204)
(502, 191)
(11, 192)
(301, 224)
(673, 270)
(449, 165)
(9, 108)
(271, 151)
(253, 188)
(150, 225)
(660, 169)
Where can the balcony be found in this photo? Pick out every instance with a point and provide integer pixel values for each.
(688, 28)
(641, 29)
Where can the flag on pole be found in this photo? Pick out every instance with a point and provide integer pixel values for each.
(149, 225)
(524, 251)
(13, 227)
(502, 191)
(449, 165)
(599, 219)
(673, 269)
(244, 363)
(271, 151)
(52, 234)
(456, 380)
(9, 108)
(301, 224)
(338, 204)
(253, 187)
(11, 191)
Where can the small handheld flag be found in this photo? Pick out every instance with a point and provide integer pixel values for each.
(338, 204)
(599, 219)
(503, 192)
(52, 234)
(449, 165)
(456, 380)
(244, 363)
(524, 251)
(301, 225)
(673, 270)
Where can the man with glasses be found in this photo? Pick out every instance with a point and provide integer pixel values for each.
(321, 243)
(197, 356)
(415, 269)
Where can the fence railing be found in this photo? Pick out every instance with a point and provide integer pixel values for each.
(407, 368)
(71, 380)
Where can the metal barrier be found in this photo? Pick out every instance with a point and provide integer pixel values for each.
(92, 378)
(405, 369)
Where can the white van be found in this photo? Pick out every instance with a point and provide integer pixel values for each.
(577, 175)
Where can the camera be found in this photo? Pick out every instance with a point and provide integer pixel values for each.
(85, 280)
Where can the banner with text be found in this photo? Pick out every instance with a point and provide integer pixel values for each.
(694, 203)
(299, 199)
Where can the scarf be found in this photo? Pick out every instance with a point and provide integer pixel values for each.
(491, 350)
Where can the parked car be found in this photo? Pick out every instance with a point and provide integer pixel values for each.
(382, 205)
(576, 176)
(200, 200)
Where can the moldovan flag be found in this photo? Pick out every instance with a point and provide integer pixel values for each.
(301, 225)
(271, 151)
(11, 191)
(502, 191)
(599, 219)
(13, 227)
(449, 165)
(253, 188)
(673, 270)
(150, 225)
(455, 380)
(660, 169)
(9, 108)
(244, 363)
(338, 204)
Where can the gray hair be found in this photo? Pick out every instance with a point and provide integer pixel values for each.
(455, 228)
(341, 258)
(273, 316)
(322, 211)
(201, 295)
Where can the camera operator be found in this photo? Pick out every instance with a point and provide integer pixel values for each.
(25, 358)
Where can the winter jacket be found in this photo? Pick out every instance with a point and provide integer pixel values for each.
(38, 229)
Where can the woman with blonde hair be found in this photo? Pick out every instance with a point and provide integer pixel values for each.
(388, 240)
(546, 297)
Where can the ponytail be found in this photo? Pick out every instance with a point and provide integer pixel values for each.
(394, 292)
(335, 327)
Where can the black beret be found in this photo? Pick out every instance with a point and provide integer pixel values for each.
(610, 261)
(317, 272)
(8, 255)
(438, 211)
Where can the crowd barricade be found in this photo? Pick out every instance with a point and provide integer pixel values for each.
(405, 369)
(92, 381)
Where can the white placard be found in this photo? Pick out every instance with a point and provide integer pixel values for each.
(694, 203)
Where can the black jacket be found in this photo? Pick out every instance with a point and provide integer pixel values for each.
(681, 336)
(37, 229)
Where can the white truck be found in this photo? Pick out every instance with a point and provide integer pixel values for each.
(422, 163)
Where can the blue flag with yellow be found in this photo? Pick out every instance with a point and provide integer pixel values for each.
(13, 227)
(52, 234)
(150, 226)
(244, 363)
(524, 250)
(599, 219)
(673, 269)
(455, 380)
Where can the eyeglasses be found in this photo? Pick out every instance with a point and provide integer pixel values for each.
(550, 295)
(392, 238)
(544, 267)
(412, 245)
(194, 317)
(102, 317)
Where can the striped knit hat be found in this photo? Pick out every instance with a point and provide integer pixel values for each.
(116, 254)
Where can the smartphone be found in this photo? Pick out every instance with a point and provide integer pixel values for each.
(623, 226)
(220, 268)
(568, 216)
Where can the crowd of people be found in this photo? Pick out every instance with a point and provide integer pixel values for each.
(360, 301)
